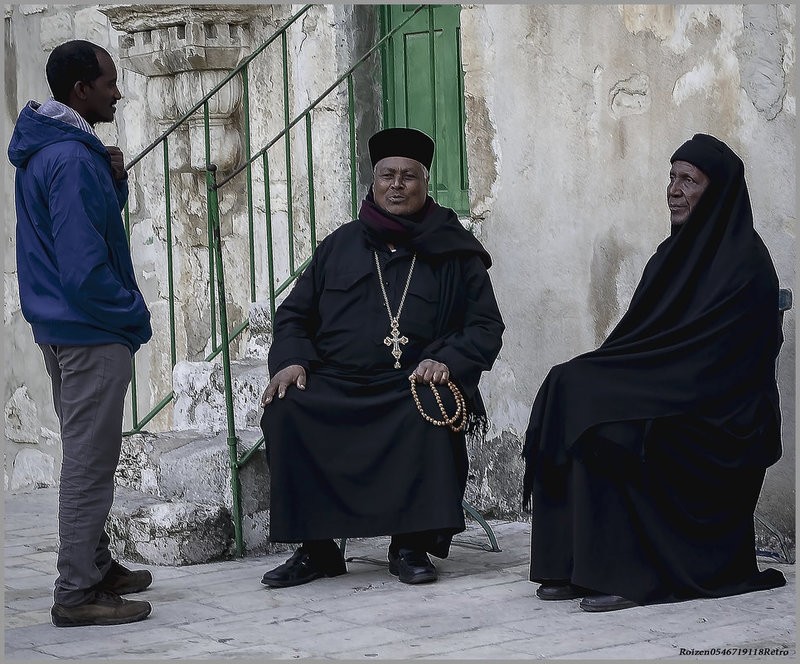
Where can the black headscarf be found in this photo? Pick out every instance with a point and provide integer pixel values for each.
(700, 337)
(434, 231)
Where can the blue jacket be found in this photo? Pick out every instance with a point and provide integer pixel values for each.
(76, 280)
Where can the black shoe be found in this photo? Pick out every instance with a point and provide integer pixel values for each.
(560, 590)
(599, 603)
(412, 566)
(121, 580)
(105, 608)
(300, 569)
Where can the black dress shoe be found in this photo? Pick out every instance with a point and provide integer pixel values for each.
(598, 603)
(300, 569)
(553, 591)
(412, 566)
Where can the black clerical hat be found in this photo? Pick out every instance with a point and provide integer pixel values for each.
(401, 142)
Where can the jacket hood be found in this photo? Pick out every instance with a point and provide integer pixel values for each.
(35, 131)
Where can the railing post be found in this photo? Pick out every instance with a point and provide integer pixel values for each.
(233, 442)
(288, 148)
(170, 269)
(432, 66)
(351, 122)
(134, 391)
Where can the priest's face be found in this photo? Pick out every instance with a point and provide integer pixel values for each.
(686, 185)
(400, 185)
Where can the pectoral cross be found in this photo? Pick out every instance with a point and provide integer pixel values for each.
(395, 340)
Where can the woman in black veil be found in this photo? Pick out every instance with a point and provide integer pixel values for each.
(645, 457)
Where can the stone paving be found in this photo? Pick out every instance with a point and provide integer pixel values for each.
(482, 607)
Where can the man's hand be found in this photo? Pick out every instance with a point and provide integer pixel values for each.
(431, 371)
(117, 162)
(294, 374)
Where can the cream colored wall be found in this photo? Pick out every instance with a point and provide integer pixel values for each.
(572, 115)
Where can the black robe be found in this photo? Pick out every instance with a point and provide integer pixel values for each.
(350, 456)
(645, 457)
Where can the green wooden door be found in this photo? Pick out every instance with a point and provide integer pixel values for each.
(423, 86)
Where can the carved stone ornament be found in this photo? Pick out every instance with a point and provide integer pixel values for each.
(185, 51)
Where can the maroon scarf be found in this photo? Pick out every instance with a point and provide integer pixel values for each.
(432, 231)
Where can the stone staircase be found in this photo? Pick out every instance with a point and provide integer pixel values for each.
(174, 499)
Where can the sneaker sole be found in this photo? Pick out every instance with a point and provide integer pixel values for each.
(60, 621)
(125, 591)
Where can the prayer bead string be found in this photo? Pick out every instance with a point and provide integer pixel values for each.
(457, 421)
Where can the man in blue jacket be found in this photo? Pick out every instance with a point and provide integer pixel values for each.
(78, 291)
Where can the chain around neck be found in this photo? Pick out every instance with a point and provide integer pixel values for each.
(396, 339)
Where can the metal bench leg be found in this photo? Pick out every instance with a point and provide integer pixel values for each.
(469, 509)
(475, 514)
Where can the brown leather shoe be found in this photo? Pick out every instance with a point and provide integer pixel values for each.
(105, 608)
(121, 580)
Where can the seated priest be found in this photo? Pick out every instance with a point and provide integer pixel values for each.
(374, 364)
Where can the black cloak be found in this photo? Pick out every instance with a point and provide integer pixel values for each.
(672, 420)
(350, 456)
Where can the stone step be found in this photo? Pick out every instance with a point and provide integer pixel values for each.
(192, 465)
(200, 395)
(192, 468)
(199, 386)
(146, 529)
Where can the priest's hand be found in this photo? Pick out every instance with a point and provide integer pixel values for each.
(431, 371)
(294, 374)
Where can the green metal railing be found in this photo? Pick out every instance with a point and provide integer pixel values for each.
(221, 335)
(162, 401)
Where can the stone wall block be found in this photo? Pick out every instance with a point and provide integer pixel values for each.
(197, 472)
(260, 331)
(32, 469)
(21, 418)
(199, 396)
(91, 25)
(11, 304)
(495, 479)
(137, 464)
(250, 379)
(55, 30)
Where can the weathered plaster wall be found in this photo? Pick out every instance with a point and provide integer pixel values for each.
(572, 115)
